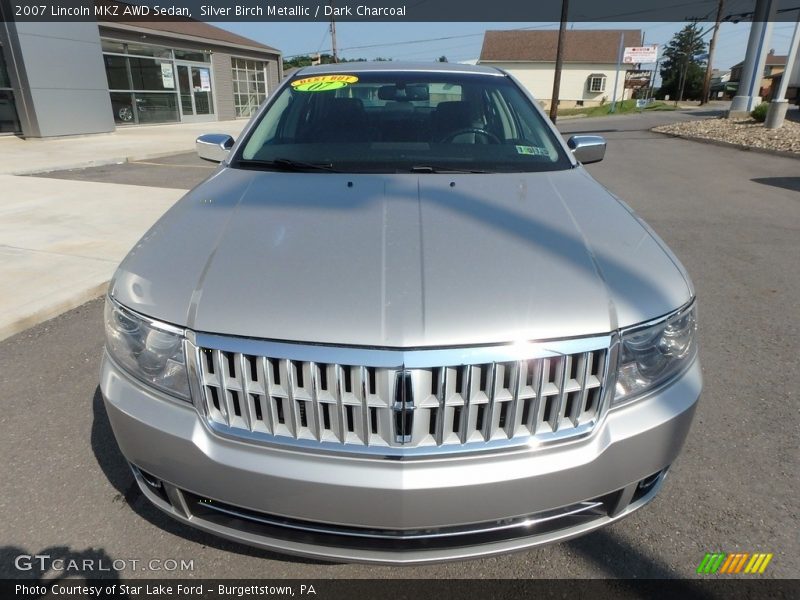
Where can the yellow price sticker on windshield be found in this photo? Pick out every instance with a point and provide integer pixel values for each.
(323, 83)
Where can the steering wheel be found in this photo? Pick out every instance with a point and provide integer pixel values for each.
(493, 139)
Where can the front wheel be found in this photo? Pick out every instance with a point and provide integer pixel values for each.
(125, 114)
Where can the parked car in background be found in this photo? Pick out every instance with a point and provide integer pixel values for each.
(401, 323)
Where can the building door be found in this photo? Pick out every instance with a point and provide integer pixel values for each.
(196, 94)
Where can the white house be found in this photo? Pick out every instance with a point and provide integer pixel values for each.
(589, 67)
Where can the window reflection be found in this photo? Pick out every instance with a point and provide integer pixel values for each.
(143, 84)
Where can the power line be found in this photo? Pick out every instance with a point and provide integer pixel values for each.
(322, 41)
(651, 10)
(420, 41)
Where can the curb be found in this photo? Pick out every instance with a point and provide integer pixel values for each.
(40, 316)
(720, 143)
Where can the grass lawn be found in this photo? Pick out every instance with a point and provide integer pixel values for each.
(627, 106)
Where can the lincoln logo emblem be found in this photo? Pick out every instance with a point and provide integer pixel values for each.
(403, 406)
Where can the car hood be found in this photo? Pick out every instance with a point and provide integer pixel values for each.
(401, 260)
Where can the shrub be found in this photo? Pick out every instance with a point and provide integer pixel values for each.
(760, 112)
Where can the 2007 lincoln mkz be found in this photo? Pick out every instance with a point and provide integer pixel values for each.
(400, 323)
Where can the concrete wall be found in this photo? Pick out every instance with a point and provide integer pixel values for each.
(59, 78)
(538, 79)
(223, 86)
(273, 76)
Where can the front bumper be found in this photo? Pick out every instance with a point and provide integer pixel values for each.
(369, 509)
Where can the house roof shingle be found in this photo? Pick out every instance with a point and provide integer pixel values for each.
(773, 60)
(580, 46)
(187, 27)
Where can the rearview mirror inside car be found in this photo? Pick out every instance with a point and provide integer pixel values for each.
(405, 93)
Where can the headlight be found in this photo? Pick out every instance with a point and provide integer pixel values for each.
(650, 356)
(150, 351)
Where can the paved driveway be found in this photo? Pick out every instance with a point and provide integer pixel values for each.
(180, 171)
(732, 217)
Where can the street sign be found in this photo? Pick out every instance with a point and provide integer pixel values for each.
(640, 54)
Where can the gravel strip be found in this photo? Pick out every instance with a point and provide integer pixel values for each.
(747, 133)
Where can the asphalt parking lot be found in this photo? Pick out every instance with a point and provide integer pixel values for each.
(732, 217)
(181, 171)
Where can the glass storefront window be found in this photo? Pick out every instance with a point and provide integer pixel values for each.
(192, 55)
(151, 74)
(116, 72)
(9, 122)
(156, 108)
(148, 50)
(143, 107)
(249, 85)
(5, 80)
(148, 86)
(111, 46)
(122, 106)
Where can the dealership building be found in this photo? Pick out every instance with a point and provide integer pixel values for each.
(79, 78)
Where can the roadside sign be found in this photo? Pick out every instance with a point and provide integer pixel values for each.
(640, 54)
(637, 79)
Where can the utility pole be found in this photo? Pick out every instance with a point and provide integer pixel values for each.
(637, 91)
(707, 81)
(559, 61)
(333, 35)
(619, 66)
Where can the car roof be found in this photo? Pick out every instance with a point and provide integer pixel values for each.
(392, 66)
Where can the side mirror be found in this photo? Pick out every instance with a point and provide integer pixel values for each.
(213, 146)
(587, 148)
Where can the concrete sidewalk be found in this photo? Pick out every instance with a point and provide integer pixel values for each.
(21, 157)
(60, 240)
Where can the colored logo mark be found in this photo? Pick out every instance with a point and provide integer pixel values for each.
(736, 562)
(323, 83)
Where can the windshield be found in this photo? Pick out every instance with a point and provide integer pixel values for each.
(394, 122)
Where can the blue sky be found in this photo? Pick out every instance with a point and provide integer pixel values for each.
(391, 40)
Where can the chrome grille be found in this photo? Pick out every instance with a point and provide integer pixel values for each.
(274, 394)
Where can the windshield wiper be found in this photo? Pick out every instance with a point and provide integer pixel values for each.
(286, 164)
(434, 169)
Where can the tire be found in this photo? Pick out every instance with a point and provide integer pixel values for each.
(125, 114)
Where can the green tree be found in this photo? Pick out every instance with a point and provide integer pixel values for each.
(305, 61)
(681, 72)
(324, 59)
